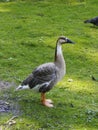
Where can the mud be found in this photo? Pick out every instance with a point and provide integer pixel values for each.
(4, 106)
(7, 103)
(5, 85)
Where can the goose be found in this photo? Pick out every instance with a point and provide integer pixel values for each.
(44, 77)
(93, 21)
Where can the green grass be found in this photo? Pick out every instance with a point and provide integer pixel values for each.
(28, 32)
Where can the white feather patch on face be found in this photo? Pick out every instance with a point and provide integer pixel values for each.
(20, 87)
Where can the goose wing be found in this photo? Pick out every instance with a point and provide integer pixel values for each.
(42, 77)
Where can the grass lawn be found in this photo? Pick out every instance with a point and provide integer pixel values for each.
(28, 33)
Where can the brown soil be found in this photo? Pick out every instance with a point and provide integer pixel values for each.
(4, 85)
(7, 104)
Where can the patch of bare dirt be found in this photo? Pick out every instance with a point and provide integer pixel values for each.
(4, 85)
(4, 106)
(7, 103)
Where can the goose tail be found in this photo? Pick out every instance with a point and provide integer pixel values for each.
(21, 87)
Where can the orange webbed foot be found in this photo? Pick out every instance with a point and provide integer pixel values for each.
(46, 102)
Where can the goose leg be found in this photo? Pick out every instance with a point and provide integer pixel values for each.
(46, 102)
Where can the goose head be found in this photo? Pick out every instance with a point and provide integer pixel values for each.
(63, 40)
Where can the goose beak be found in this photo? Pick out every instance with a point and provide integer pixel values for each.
(69, 41)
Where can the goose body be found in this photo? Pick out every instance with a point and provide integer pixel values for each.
(44, 77)
(92, 21)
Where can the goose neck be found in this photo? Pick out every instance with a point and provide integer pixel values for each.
(58, 52)
(59, 61)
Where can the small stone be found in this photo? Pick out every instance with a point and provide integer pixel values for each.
(70, 80)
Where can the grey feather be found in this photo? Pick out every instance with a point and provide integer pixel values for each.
(43, 74)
